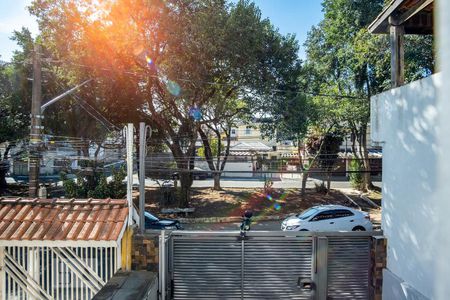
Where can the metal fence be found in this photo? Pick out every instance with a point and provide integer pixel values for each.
(265, 265)
(55, 272)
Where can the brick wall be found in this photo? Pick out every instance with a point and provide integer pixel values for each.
(378, 256)
(145, 254)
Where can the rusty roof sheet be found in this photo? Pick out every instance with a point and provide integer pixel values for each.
(62, 219)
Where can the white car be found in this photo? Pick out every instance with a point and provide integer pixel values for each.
(328, 218)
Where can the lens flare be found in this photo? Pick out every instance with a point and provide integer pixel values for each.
(195, 113)
(269, 197)
(173, 88)
(277, 206)
(149, 60)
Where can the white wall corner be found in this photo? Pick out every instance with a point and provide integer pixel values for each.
(394, 288)
(375, 119)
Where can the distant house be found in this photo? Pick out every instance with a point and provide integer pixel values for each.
(57, 156)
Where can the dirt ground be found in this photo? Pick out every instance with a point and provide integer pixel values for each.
(233, 201)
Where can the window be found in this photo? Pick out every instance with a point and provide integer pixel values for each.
(307, 213)
(233, 131)
(248, 130)
(329, 214)
(342, 213)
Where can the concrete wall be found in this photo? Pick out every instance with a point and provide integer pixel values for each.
(245, 167)
(405, 120)
(414, 123)
(442, 199)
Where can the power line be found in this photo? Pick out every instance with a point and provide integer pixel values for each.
(206, 82)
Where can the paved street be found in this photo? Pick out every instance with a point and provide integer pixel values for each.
(259, 183)
(260, 226)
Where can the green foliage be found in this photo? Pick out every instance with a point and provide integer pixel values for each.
(326, 147)
(138, 51)
(15, 91)
(356, 177)
(214, 148)
(96, 186)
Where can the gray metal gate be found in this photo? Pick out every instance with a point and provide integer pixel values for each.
(265, 265)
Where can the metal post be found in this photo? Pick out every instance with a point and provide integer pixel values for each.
(35, 124)
(162, 264)
(129, 146)
(242, 267)
(321, 279)
(142, 154)
(397, 53)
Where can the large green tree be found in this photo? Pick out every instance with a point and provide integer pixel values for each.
(348, 65)
(158, 60)
(15, 96)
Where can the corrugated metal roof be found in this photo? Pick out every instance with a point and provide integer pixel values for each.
(62, 219)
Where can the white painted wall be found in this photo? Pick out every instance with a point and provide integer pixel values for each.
(245, 167)
(413, 124)
(442, 199)
(406, 120)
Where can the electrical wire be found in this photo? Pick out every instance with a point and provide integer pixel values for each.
(203, 81)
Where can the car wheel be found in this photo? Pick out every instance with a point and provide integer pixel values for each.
(358, 228)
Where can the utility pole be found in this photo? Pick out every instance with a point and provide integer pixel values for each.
(143, 130)
(35, 128)
(129, 146)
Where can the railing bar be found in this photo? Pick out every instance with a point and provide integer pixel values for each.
(66, 285)
(72, 265)
(95, 260)
(40, 266)
(17, 267)
(16, 281)
(56, 276)
(110, 262)
(102, 275)
(10, 286)
(73, 283)
(89, 263)
(47, 270)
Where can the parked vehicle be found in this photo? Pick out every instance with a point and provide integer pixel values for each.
(328, 218)
(197, 174)
(153, 222)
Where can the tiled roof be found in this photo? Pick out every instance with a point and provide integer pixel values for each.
(62, 219)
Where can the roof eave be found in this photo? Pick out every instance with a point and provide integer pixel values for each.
(381, 22)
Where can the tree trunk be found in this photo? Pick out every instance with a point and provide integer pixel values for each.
(184, 197)
(328, 181)
(4, 167)
(305, 175)
(366, 162)
(3, 184)
(217, 182)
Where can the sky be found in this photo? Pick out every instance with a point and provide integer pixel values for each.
(289, 16)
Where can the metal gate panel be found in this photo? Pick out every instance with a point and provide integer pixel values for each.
(269, 265)
(206, 268)
(273, 267)
(349, 267)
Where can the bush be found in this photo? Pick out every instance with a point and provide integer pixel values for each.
(96, 186)
(321, 188)
(356, 177)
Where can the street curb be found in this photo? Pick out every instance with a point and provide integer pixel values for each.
(373, 204)
(230, 219)
(351, 200)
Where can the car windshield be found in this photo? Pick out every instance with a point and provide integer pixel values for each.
(307, 213)
(150, 216)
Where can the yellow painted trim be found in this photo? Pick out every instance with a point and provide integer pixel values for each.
(126, 249)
